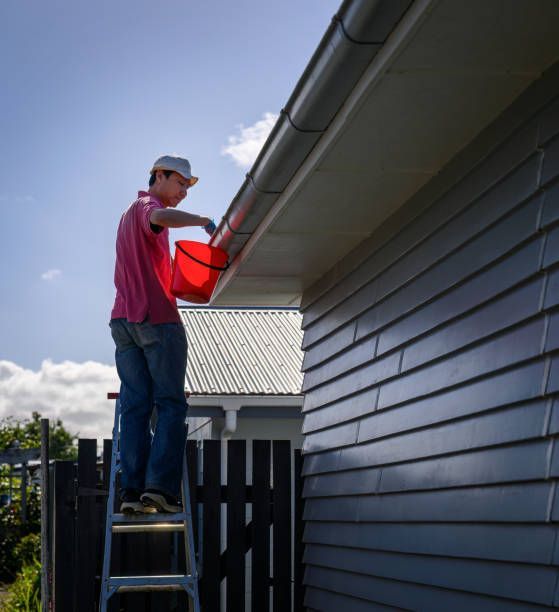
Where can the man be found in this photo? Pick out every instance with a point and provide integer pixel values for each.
(151, 342)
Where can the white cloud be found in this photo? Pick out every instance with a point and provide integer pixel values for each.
(244, 147)
(76, 393)
(51, 274)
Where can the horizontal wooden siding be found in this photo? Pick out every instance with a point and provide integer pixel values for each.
(431, 376)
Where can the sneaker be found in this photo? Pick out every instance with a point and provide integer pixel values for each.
(162, 502)
(130, 502)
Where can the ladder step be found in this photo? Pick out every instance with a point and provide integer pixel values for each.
(151, 517)
(175, 582)
(147, 528)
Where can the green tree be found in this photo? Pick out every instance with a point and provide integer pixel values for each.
(62, 444)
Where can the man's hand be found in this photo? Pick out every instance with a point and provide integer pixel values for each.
(210, 227)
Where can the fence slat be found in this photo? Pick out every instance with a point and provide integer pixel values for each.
(46, 516)
(282, 525)
(298, 547)
(87, 528)
(236, 518)
(261, 519)
(136, 563)
(64, 579)
(159, 546)
(211, 578)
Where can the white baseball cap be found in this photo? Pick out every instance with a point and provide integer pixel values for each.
(176, 164)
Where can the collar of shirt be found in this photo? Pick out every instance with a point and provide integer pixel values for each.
(143, 194)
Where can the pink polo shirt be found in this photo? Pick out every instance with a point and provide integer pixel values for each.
(143, 266)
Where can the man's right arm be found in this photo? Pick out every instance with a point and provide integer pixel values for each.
(176, 218)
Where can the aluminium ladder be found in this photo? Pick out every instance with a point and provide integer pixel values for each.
(157, 522)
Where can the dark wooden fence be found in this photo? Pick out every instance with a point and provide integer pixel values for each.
(269, 544)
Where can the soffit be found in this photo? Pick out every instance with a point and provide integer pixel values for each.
(463, 65)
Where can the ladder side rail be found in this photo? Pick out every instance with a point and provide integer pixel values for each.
(191, 568)
(106, 591)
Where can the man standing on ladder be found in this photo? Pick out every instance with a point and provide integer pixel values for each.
(151, 342)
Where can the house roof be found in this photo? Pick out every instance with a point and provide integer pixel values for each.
(394, 91)
(243, 351)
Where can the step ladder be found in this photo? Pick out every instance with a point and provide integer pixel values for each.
(156, 522)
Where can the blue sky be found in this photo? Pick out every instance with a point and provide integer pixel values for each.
(92, 93)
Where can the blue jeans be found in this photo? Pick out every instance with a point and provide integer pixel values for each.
(151, 364)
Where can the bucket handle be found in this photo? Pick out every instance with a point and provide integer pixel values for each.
(202, 263)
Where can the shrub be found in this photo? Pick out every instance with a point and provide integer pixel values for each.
(25, 592)
(12, 530)
(25, 551)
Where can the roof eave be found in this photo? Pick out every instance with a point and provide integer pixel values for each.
(356, 34)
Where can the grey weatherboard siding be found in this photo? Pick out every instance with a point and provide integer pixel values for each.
(431, 378)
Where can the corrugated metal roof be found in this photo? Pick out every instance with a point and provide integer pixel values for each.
(243, 351)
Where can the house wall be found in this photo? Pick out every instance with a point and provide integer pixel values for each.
(431, 373)
(204, 428)
(200, 428)
(269, 429)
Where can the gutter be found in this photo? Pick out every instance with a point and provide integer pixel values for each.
(356, 34)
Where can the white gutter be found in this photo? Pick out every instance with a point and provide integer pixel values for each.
(236, 402)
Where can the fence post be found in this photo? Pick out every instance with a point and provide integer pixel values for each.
(46, 569)
(282, 524)
(64, 536)
(211, 578)
(87, 528)
(261, 518)
(24, 492)
(298, 547)
(236, 518)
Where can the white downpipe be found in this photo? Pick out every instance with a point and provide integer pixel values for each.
(230, 424)
(228, 430)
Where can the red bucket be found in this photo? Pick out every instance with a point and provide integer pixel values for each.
(196, 268)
